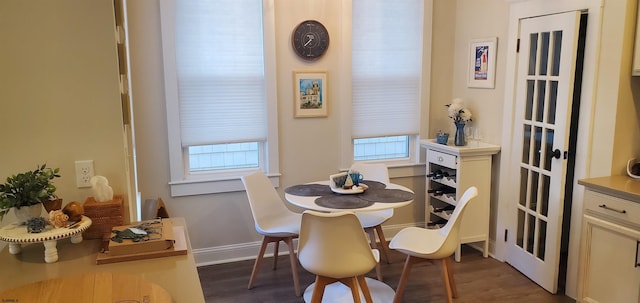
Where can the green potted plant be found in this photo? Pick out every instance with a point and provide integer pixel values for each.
(28, 189)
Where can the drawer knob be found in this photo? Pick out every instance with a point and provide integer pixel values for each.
(622, 211)
(440, 159)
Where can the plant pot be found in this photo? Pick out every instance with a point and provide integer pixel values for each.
(50, 205)
(27, 212)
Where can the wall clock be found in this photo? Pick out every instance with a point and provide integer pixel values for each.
(310, 40)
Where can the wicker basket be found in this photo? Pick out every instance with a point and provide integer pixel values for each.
(105, 215)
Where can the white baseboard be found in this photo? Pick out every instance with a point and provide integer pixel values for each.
(248, 251)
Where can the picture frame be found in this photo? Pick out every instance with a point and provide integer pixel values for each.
(482, 62)
(310, 94)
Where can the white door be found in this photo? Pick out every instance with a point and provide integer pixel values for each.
(545, 78)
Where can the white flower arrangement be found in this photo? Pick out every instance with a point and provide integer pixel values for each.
(458, 112)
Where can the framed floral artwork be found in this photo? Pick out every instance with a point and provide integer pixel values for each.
(310, 94)
(482, 63)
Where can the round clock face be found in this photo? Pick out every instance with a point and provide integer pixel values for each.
(310, 40)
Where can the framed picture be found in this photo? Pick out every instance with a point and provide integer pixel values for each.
(310, 93)
(482, 63)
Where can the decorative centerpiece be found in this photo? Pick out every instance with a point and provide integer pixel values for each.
(347, 183)
(25, 192)
(442, 137)
(58, 219)
(36, 225)
(460, 115)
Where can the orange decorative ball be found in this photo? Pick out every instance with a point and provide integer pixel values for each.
(74, 210)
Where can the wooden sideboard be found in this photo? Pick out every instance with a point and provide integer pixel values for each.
(176, 274)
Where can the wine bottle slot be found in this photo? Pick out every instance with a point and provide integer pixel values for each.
(446, 208)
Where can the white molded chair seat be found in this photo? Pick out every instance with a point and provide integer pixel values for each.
(421, 244)
(273, 220)
(372, 221)
(334, 248)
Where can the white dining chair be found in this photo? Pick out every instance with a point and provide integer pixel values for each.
(334, 248)
(421, 244)
(372, 221)
(273, 220)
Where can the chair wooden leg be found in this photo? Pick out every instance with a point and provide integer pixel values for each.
(408, 264)
(275, 254)
(403, 279)
(372, 237)
(452, 281)
(447, 282)
(294, 265)
(383, 243)
(318, 289)
(352, 283)
(256, 265)
(365, 289)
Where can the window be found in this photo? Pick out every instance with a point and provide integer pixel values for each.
(386, 78)
(381, 148)
(224, 156)
(220, 91)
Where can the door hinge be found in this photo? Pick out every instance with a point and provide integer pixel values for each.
(124, 85)
(518, 45)
(506, 232)
(120, 35)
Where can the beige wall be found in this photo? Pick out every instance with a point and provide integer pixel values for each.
(455, 23)
(627, 125)
(60, 103)
(223, 222)
(615, 128)
(300, 138)
(59, 92)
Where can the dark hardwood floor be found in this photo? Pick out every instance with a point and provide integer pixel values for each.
(478, 280)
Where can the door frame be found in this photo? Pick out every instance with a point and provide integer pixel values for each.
(533, 8)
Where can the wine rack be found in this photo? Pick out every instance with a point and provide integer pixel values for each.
(450, 171)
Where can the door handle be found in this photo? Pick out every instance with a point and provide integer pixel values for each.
(558, 154)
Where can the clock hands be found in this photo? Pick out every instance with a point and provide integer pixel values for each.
(311, 37)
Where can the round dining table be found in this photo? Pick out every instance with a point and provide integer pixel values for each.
(319, 196)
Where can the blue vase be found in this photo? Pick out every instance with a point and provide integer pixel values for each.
(459, 139)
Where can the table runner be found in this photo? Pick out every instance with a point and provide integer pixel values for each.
(377, 192)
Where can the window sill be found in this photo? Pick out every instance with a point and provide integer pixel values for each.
(407, 170)
(233, 184)
(404, 169)
(204, 187)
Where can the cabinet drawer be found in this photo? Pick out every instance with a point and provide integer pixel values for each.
(443, 159)
(611, 206)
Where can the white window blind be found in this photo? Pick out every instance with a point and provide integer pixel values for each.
(220, 71)
(386, 67)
